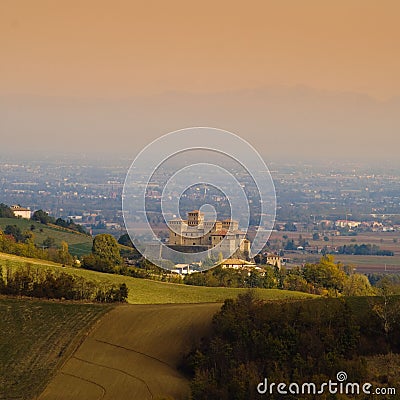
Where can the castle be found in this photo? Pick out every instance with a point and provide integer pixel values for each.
(219, 235)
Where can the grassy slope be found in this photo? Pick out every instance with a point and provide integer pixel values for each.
(78, 243)
(143, 291)
(36, 337)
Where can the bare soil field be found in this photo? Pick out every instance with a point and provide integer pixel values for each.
(133, 354)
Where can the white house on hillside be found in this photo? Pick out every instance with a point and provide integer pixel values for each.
(21, 211)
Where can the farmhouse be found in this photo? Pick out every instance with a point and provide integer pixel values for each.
(21, 211)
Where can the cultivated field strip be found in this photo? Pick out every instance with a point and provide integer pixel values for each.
(133, 354)
(37, 336)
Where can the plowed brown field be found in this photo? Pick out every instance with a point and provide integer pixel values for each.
(133, 354)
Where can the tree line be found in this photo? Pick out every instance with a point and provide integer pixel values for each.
(13, 241)
(325, 277)
(45, 219)
(290, 341)
(364, 250)
(36, 282)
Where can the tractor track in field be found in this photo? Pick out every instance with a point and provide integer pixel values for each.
(117, 370)
(137, 352)
(133, 353)
(103, 389)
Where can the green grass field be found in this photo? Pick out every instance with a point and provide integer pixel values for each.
(143, 291)
(79, 244)
(36, 337)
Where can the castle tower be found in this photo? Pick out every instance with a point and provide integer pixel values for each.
(195, 218)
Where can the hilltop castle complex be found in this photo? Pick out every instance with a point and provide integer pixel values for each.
(195, 231)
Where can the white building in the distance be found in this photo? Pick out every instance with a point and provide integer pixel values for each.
(21, 211)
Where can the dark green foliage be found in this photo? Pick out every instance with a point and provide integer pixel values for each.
(364, 250)
(125, 240)
(298, 341)
(290, 227)
(34, 282)
(97, 264)
(42, 217)
(290, 245)
(113, 294)
(229, 277)
(105, 254)
(15, 232)
(69, 224)
(6, 212)
(324, 277)
(49, 242)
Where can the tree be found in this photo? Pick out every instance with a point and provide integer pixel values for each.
(49, 242)
(105, 254)
(386, 307)
(290, 245)
(63, 254)
(106, 247)
(15, 232)
(42, 217)
(290, 227)
(295, 282)
(357, 285)
(5, 211)
(125, 240)
(326, 274)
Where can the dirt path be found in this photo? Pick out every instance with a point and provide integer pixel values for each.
(133, 353)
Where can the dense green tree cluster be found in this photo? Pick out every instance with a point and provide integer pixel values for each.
(325, 277)
(70, 224)
(35, 282)
(267, 278)
(6, 212)
(42, 217)
(125, 240)
(364, 250)
(297, 341)
(16, 233)
(105, 254)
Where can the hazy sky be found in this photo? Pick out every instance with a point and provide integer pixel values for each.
(304, 78)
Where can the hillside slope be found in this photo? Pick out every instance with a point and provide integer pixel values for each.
(143, 291)
(133, 354)
(79, 244)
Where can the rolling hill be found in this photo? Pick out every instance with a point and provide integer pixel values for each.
(143, 291)
(79, 244)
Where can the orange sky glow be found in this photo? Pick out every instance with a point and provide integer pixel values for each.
(117, 48)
